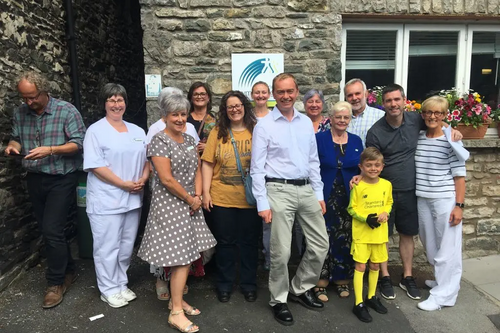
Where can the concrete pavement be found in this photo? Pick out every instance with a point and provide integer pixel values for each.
(20, 309)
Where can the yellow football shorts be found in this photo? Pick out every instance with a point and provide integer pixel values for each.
(376, 253)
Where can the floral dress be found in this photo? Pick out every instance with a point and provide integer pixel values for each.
(324, 125)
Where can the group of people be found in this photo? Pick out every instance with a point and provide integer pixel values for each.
(312, 176)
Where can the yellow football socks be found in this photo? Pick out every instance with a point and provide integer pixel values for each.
(372, 283)
(358, 286)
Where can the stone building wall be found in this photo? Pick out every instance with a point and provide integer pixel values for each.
(33, 37)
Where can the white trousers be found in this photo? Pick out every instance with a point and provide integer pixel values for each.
(114, 237)
(443, 245)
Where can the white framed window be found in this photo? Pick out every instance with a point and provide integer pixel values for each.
(423, 58)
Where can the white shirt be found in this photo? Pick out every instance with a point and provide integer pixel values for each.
(124, 154)
(362, 123)
(160, 126)
(284, 149)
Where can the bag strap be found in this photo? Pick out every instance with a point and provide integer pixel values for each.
(202, 124)
(237, 155)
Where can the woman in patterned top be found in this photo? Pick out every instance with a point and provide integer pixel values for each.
(314, 102)
(200, 111)
(176, 232)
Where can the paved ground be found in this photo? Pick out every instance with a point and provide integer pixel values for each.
(20, 309)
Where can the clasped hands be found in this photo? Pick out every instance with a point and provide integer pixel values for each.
(133, 187)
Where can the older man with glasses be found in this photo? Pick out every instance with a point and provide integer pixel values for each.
(48, 133)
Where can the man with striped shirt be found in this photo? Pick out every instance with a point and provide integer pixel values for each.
(49, 133)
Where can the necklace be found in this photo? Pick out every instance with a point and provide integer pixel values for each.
(341, 144)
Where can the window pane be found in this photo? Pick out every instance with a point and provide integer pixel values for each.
(373, 62)
(484, 65)
(432, 62)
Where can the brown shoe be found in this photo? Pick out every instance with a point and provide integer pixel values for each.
(53, 296)
(69, 279)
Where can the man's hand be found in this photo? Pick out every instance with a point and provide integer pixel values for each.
(371, 220)
(355, 181)
(38, 153)
(383, 217)
(456, 135)
(323, 207)
(11, 150)
(266, 215)
(456, 216)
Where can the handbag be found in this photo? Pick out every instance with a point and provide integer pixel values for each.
(247, 180)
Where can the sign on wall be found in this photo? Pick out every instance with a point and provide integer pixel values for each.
(153, 85)
(248, 68)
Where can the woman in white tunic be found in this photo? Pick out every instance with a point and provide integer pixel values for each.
(440, 189)
(176, 232)
(115, 158)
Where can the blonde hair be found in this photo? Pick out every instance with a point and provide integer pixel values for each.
(436, 103)
(340, 106)
(371, 154)
(284, 76)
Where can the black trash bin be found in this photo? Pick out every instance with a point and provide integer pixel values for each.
(85, 240)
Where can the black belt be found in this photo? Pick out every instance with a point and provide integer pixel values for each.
(296, 182)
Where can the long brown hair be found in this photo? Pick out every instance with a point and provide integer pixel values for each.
(223, 122)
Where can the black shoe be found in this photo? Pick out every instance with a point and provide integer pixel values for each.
(282, 314)
(250, 296)
(386, 289)
(361, 311)
(408, 284)
(375, 304)
(223, 296)
(308, 299)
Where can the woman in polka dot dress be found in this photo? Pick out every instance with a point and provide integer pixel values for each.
(176, 232)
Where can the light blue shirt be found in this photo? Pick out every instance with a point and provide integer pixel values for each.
(284, 149)
(362, 123)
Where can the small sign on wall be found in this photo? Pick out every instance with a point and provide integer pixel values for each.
(248, 68)
(153, 85)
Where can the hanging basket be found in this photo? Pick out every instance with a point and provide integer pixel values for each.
(469, 132)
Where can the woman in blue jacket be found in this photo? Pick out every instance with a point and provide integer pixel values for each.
(339, 153)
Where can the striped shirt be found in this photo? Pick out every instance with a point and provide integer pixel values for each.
(360, 124)
(436, 165)
(59, 124)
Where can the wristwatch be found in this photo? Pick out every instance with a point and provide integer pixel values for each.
(460, 204)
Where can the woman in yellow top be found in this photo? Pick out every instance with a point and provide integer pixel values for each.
(236, 224)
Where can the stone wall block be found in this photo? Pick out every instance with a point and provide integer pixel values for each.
(481, 6)
(381, 6)
(248, 3)
(491, 190)
(266, 38)
(329, 18)
(314, 66)
(447, 6)
(482, 243)
(213, 49)
(209, 3)
(478, 212)
(475, 201)
(310, 44)
(488, 227)
(186, 49)
(470, 6)
(316, 34)
(220, 85)
(426, 6)
(179, 13)
(224, 36)
(276, 2)
(170, 25)
(290, 46)
(190, 37)
(293, 33)
(458, 6)
(484, 158)
(278, 24)
(215, 12)
(267, 11)
(468, 229)
(223, 24)
(197, 25)
(308, 5)
(493, 6)
(334, 70)
(437, 6)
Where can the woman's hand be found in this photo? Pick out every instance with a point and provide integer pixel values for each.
(355, 181)
(201, 147)
(196, 203)
(456, 216)
(128, 186)
(207, 202)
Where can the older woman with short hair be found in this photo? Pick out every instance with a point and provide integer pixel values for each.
(176, 232)
(115, 159)
(314, 102)
(339, 153)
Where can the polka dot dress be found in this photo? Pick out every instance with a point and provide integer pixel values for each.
(173, 237)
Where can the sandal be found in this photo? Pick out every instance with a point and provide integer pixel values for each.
(189, 327)
(189, 311)
(162, 293)
(321, 294)
(343, 290)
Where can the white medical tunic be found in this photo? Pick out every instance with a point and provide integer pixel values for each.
(160, 126)
(124, 154)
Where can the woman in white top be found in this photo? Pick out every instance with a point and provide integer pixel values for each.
(440, 190)
(115, 159)
(260, 96)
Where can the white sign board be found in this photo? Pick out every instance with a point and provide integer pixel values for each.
(153, 85)
(248, 68)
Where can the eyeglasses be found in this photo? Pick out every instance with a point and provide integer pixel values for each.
(198, 95)
(431, 113)
(234, 107)
(31, 99)
(115, 101)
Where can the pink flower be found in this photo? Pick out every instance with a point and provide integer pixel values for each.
(371, 98)
(450, 117)
(478, 109)
(456, 113)
(469, 114)
(457, 118)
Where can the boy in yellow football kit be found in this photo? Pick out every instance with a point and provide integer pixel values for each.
(370, 205)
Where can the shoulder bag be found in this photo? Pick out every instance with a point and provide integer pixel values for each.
(247, 180)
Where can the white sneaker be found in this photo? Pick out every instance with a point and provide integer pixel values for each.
(115, 300)
(431, 283)
(128, 294)
(429, 305)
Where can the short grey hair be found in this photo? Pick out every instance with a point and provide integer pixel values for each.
(340, 106)
(166, 92)
(310, 94)
(353, 81)
(40, 81)
(174, 103)
(110, 90)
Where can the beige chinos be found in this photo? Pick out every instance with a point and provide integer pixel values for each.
(287, 203)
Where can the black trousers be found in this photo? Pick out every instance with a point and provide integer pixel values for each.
(51, 197)
(236, 229)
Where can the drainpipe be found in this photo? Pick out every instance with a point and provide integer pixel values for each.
(73, 59)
